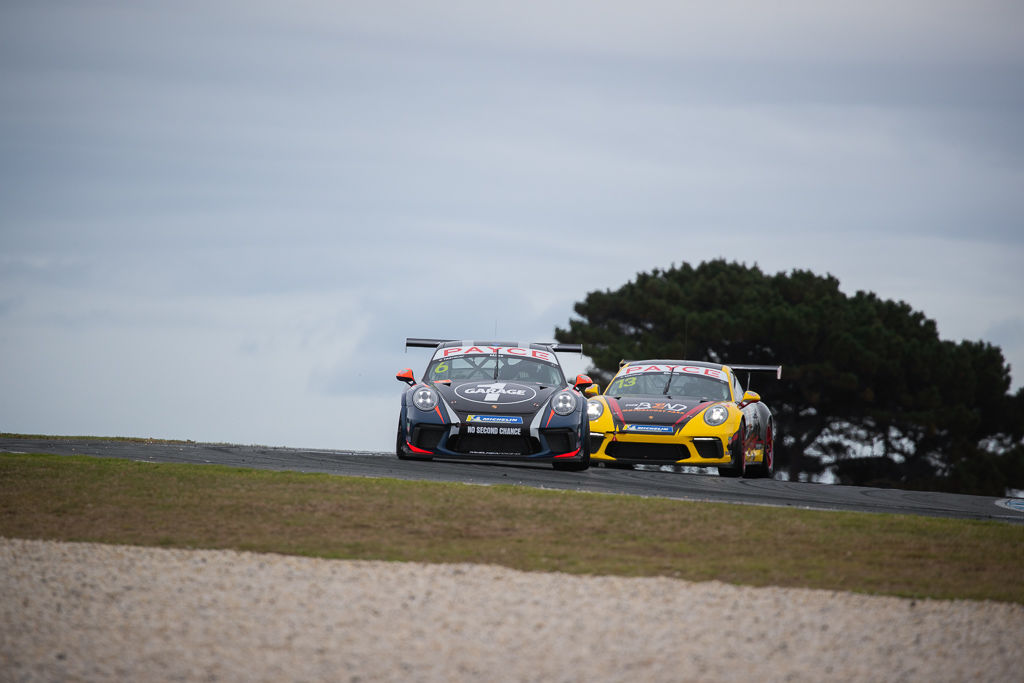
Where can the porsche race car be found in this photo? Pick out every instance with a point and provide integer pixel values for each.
(679, 412)
(494, 401)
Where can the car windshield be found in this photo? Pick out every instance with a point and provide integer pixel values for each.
(659, 383)
(481, 367)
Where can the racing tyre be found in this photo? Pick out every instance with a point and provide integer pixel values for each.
(573, 466)
(584, 462)
(738, 458)
(767, 467)
(400, 443)
(400, 449)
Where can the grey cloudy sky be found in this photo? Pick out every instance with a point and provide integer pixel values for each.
(220, 220)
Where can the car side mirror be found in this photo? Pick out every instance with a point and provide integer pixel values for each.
(406, 376)
(592, 390)
(583, 383)
(750, 397)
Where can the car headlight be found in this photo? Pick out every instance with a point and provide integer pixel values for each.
(716, 415)
(595, 409)
(424, 398)
(563, 403)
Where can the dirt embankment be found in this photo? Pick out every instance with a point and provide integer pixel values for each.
(71, 611)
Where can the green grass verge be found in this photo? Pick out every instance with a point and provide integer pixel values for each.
(108, 500)
(128, 439)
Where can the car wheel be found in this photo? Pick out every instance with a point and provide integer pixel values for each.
(402, 452)
(584, 462)
(400, 443)
(767, 466)
(738, 458)
(572, 466)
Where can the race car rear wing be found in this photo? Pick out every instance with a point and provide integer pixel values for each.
(777, 369)
(415, 342)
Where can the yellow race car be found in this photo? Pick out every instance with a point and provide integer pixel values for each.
(680, 412)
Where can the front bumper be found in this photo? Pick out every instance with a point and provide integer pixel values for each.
(636, 449)
(548, 445)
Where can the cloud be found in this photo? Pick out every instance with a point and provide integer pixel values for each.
(222, 220)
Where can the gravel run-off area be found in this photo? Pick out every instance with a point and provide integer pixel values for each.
(89, 612)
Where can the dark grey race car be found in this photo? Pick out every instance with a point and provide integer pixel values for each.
(494, 401)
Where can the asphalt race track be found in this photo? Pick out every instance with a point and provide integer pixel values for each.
(647, 482)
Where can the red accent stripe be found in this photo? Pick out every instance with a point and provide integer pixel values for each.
(616, 410)
(693, 411)
(437, 409)
(567, 455)
(416, 450)
(549, 417)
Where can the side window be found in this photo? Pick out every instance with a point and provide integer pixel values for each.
(737, 390)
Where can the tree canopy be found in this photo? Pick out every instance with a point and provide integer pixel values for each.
(869, 391)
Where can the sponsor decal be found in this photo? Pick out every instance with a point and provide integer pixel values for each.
(650, 429)
(494, 430)
(449, 352)
(496, 419)
(676, 369)
(496, 392)
(656, 406)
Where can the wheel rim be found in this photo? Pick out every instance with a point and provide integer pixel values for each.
(743, 449)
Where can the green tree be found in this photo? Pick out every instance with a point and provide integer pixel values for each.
(868, 388)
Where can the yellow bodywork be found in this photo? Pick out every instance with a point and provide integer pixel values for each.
(695, 437)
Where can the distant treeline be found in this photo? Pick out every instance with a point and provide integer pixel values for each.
(868, 390)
